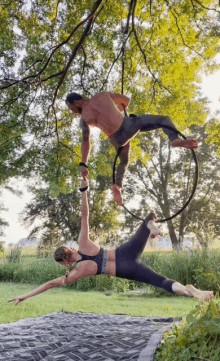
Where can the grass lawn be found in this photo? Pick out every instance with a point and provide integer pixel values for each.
(62, 299)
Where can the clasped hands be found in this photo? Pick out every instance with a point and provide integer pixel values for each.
(115, 188)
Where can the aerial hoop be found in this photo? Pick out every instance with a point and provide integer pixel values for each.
(194, 185)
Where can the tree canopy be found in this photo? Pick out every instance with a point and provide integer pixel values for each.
(49, 48)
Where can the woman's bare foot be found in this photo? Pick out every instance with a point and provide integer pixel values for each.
(200, 295)
(185, 143)
(154, 231)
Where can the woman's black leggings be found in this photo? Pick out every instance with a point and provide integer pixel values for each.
(128, 266)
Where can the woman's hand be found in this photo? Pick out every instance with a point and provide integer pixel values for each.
(84, 183)
(17, 300)
(84, 171)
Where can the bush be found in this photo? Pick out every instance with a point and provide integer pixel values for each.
(202, 269)
(39, 271)
(15, 255)
(1, 249)
(195, 338)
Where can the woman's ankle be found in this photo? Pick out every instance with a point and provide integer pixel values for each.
(179, 289)
(151, 217)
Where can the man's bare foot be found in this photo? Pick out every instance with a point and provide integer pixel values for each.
(154, 231)
(200, 295)
(185, 143)
(117, 194)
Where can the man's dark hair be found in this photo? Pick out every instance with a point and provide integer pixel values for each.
(73, 96)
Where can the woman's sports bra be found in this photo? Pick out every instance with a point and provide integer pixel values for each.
(100, 259)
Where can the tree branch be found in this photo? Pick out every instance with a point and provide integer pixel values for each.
(204, 7)
(78, 46)
(143, 53)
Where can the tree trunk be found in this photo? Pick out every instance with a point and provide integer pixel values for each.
(175, 242)
(182, 227)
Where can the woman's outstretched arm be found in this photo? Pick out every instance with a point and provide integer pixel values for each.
(84, 231)
(60, 281)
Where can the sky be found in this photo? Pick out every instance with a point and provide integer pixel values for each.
(15, 204)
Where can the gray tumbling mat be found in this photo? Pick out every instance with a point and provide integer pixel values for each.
(82, 336)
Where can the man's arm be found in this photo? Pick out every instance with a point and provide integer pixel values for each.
(120, 100)
(85, 147)
(124, 160)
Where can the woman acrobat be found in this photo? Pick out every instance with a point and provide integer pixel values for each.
(123, 262)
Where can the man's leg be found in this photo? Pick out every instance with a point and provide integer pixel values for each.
(120, 172)
(124, 156)
(151, 122)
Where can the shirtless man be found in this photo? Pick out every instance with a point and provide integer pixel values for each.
(104, 111)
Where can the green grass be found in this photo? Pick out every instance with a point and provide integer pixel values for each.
(62, 299)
